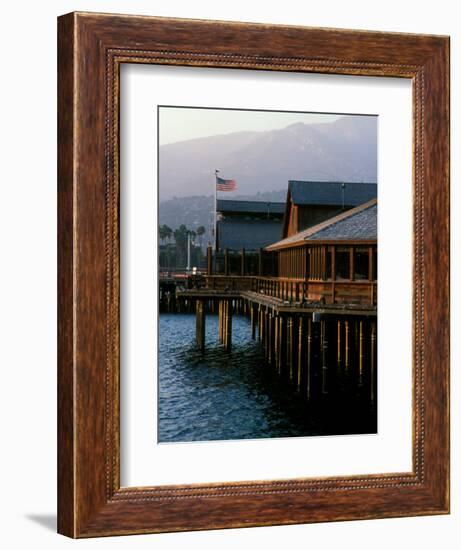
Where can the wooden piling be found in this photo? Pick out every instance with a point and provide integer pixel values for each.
(309, 354)
(282, 343)
(290, 344)
(260, 323)
(228, 326)
(269, 337)
(200, 324)
(372, 361)
(276, 344)
(301, 351)
(324, 349)
(339, 343)
(220, 321)
(253, 321)
(223, 305)
(346, 323)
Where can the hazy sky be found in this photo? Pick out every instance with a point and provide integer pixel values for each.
(180, 123)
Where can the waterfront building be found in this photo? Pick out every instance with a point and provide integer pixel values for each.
(248, 224)
(336, 260)
(311, 202)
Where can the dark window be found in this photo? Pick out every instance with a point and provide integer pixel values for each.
(375, 264)
(361, 264)
(342, 263)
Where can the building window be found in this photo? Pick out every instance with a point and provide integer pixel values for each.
(361, 265)
(342, 263)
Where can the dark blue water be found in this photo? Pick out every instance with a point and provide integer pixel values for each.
(216, 395)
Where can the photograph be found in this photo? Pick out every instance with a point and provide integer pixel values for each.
(267, 274)
(192, 352)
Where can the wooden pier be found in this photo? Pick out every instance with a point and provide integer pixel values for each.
(311, 346)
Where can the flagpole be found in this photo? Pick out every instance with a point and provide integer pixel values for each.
(216, 172)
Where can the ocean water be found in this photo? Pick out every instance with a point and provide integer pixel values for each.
(216, 395)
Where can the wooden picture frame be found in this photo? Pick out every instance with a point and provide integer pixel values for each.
(91, 49)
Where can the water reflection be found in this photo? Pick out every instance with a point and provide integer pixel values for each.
(216, 395)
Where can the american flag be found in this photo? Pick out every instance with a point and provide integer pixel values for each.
(225, 185)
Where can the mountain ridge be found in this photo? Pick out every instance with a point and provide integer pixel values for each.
(263, 161)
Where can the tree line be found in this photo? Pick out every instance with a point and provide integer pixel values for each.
(174, 242)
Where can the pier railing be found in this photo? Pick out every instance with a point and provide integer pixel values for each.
(299, 290)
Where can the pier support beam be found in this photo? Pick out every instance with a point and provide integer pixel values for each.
(200, 324)
(372, 362)
(282, 343)
(338, 345)
(270, 336)
(346, 324)
(323, 351)
(276, 343)
(361, 338)
(301, 351)
(228, 325)
(253, 321)
(220, 321)
(309, 356)
(293, 347)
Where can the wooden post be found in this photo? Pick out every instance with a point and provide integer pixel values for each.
(220, 321)
(301, 347)
(228, 317)
(269, 337)
(339, 343)
(259, 323)
(260, 262)
(223, 321)
(276, 344)
(263, 335)
(351, 263)
(282, 343)
(309, 349)
(372, 362)
(346, 323)
(324, 263)
(242, 264)
(253, 321)
(290, 347)
(370, 264)
(209, 260)
(200, 324)
(324, 348)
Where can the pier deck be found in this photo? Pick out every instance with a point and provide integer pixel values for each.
(277, 304)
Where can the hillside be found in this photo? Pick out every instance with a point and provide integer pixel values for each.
(264, 161)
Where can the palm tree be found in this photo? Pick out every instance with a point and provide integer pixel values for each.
(168, 231)
(180, 236)
(161, 233)
(200, 232)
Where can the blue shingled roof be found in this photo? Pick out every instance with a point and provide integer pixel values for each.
(331, 192)
(359, 223)
(250, 207)
(359, 226)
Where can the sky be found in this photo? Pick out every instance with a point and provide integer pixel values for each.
(184, 123)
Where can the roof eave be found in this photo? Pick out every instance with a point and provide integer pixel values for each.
(307, 242)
